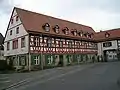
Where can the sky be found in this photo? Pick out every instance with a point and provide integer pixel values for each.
(99, 14)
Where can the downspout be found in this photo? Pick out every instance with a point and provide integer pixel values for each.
(41, 55)
(29, 56)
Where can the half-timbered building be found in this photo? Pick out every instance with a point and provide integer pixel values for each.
(37, 41)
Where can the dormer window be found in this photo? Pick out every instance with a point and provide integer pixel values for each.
(46, 27)
(66, 30)
(90, 35)
(74, 32)
(56, 28)
(86, 34)
(80, 34)
(107, 34)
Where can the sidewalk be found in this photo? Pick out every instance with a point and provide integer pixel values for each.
(17, 78)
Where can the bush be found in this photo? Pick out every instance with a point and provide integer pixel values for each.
(3, 65)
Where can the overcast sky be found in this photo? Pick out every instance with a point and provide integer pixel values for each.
(99, 14)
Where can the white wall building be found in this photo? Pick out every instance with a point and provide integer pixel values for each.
(108, 44)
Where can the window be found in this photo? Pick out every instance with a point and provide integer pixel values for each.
(56, 28)
(67, 32)
(49, 42)
(61, 43)
(15, 44)
(36, 60)
(75, 33)
(107, 34)
(10, 32)
(8, 45)
(23, 61)
(11, 21)
(17, 30)
(50, 60)
(81, 34)
(22, 42)
(70, 44)
(16, 18)
(46, 27)
(107, 44)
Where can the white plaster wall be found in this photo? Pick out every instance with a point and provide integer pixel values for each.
(114, 45)
(22, 32)
(10, 38)
(16, 51)
(101, 48)
(14, 20)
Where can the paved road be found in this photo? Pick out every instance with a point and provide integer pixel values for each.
(19, 79)
(102, 76)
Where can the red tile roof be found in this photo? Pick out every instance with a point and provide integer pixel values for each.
(33, 22)
(112, 34)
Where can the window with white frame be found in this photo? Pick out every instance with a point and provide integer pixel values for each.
(17, 30)
(46, 27)
(49, 42)
(61, 43)
(22, 42)
(50, 60)
(23, 60)
(36, 58)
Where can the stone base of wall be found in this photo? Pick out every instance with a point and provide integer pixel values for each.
(44, 61)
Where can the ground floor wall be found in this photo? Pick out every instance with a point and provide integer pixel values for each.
(110, 55)
(43, 61)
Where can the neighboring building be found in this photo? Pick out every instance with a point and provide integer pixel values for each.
(1, 47)
(109, 44)
(34, 41)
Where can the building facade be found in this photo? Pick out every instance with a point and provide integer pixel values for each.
(36, 41)
(1, 47)
(109, 44)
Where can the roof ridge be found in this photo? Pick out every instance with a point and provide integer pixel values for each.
(109, 30)
(53, 17)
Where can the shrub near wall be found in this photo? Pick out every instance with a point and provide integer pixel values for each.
(3, 65)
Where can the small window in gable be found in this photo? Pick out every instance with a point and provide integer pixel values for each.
(56, 29)
(22, 42)
(17, 18)
(10, 32)
(8, 45)
(17, 30)
(11, 20)
(46, 27)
